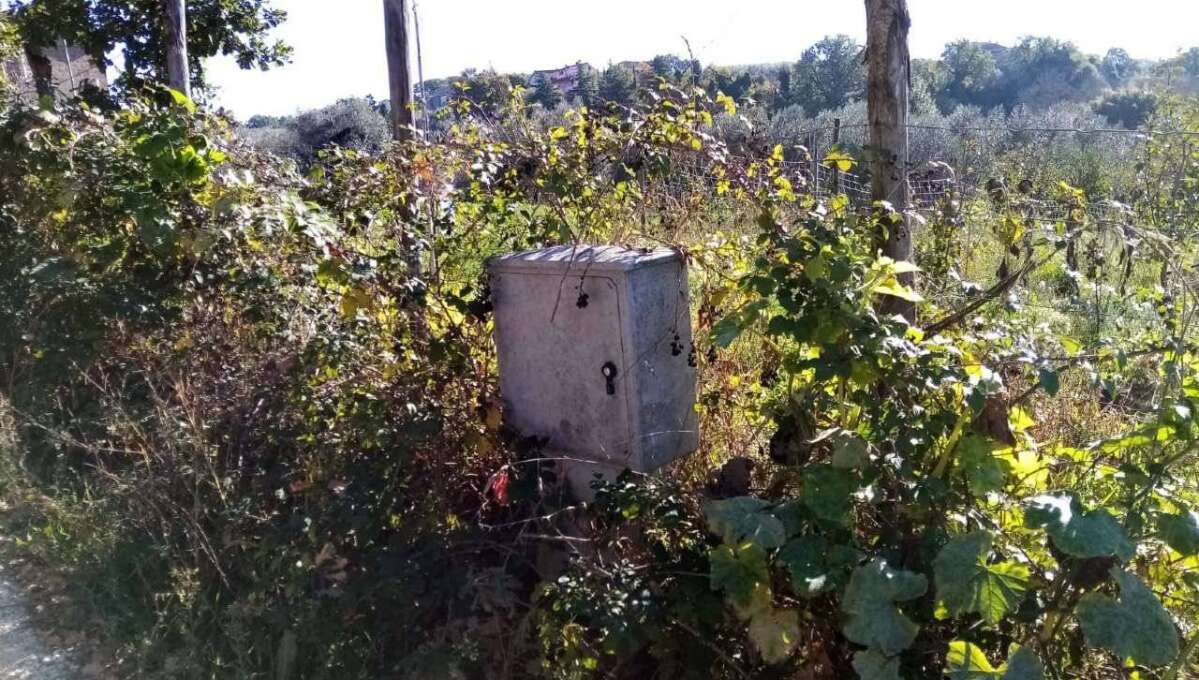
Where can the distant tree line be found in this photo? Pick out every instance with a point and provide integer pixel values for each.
(1036, 72)
(829, 76)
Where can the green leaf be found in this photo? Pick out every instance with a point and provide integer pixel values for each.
(728, 329)
(815, 566)
(985, 472)
(1135, 626)
(739, 571)
(1076, 532)
(745, 518)
(1180, 532)
(967, 661)
(869, 601)
(775, 632)
(828, 493)
(966, 582)
(870, 665)
(1024, 665)
(849, 450)
(331, 273)
(1050, 381)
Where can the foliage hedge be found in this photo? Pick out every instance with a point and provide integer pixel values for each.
(257, 416)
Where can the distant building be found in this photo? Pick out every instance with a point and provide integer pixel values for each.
(66, 68)
(566, 79)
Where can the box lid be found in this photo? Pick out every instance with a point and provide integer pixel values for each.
(583, 258)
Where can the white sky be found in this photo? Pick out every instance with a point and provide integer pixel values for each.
(339, 43)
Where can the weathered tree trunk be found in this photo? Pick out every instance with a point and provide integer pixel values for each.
(395, 26)
(178, 76)
(888, 80)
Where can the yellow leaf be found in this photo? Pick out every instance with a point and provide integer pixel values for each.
(730, 106)
(899, 291)
(839, 159)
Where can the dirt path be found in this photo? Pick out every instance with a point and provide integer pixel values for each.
(24, 653)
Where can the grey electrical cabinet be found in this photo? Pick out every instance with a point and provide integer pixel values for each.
(595, 352)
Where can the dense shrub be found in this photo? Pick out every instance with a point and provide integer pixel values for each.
(353, 123)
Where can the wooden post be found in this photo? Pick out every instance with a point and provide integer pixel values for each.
(420, 72)
(395, 27)
(66, 57)
(178, 77)
(814, 151)
(836, 145)
(888, 80)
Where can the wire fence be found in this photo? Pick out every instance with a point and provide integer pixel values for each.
(935, 181)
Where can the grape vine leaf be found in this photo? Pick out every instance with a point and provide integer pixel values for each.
(1075, 531)
(874, 620)
(1024, 665)
(814, 565)
(741, 572)
(727, 330)
(966, 582)
(1180, 532)
(870, 665)
(849, 451)
(984, 471)
(775, 632)
(1134, 626)
(967, 661)
(828, 493)
(839, 159)
(745, 518)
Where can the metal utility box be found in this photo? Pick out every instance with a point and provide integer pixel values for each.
(595, 352)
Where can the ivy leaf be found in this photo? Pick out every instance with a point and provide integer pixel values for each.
(741, 572)
(870, 665)
(816, 567)
(1134, 626)
(874, 620)
(967, 661)
(984, 471)
(775, 632)
(1180, 532)
(1076, 532)
(745, 518)
(828, 493)
(967, 583)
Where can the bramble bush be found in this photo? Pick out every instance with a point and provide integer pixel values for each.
(257, 421)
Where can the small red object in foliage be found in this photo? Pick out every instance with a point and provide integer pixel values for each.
(499, 486)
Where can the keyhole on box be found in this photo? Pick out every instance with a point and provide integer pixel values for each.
(609, 371)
